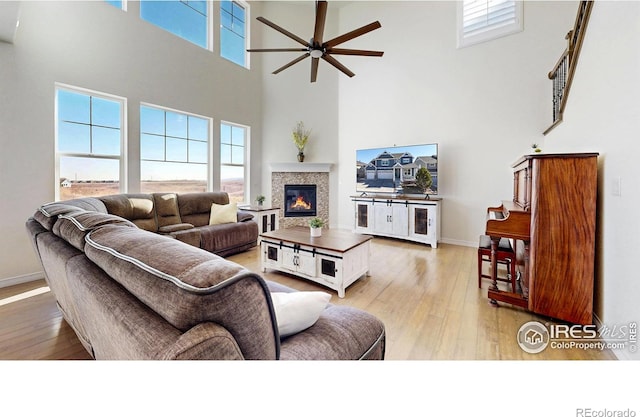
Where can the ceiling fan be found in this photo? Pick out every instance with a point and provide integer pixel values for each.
(316, 48)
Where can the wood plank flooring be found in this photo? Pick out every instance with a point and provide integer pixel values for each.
(428, 299)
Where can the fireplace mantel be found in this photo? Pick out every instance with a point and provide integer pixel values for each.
(300, 167)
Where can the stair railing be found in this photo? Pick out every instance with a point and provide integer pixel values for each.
(562, 73)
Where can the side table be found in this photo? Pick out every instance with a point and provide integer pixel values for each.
(268, 218)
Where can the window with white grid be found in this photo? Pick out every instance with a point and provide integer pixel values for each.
(484, 20)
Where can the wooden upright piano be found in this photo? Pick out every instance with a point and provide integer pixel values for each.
(552, 219)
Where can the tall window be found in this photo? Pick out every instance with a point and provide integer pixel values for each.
(233, 161)
(117, 3)
(233, 32)
(90, 143)
(187, 19)
(483, 20)
(174, 151)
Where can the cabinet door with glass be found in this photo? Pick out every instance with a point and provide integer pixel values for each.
(363, 217)
(422, 222)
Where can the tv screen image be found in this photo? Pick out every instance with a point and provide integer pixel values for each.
(398, 170)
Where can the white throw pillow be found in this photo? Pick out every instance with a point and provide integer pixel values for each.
(223, 213)
(296, 311)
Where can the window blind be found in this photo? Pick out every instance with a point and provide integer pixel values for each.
(482, 15)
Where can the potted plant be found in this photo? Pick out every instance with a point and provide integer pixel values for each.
(300, 138)
(260, 200)
(315, 226)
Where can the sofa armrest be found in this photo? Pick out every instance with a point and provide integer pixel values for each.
(175, 228)
(244, 216)
(208, 341)
(191, 236)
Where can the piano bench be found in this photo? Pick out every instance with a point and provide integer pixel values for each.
(505, 255)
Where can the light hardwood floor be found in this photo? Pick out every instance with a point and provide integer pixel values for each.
(427, 298)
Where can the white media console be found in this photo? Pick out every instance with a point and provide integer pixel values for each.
(410, 218)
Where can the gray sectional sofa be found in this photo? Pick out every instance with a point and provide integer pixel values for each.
(131, 291)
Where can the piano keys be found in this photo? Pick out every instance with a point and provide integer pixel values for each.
(552, 220)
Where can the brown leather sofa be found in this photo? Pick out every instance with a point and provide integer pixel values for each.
(181, 216)
(132, 294)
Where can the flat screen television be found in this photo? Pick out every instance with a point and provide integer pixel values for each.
(398, 170)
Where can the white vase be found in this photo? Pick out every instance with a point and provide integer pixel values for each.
(315, 231)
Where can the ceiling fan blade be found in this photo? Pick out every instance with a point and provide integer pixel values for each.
(338, 51)
(353, 34)
(321, 16)
(278, 50)
(314, 69)
(283, 31)
(337, 64)
(295, 61)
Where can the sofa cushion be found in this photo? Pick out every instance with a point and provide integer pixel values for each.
(138, 208)
(341, 333)
(186, 285)
(297, 311)
(195, 208)
(362, 334)
(222, 237)
(47, 214)
(167, 209)
(74, 226)
(223, 213)
(175, 227)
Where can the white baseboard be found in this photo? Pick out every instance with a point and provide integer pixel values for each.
(8, 282)
(460, 242)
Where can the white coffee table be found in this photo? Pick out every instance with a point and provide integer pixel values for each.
(336, 259)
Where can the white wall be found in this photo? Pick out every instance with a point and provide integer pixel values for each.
(484, 104)
(603, 115)
(96, 46)
(289, 96)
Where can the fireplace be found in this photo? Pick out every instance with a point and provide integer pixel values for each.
(300, 200)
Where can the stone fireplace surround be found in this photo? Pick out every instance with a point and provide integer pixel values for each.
(300, 173)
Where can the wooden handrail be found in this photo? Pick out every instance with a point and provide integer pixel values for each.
(564, 70)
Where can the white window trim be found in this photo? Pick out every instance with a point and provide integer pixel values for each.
(247, 35)
(124, 179)
(247, 158)
(209, 141)
(210, 26)
(490, 33)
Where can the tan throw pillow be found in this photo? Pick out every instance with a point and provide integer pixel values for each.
(223, 213)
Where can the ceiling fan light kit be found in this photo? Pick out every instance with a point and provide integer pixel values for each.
(316, 48)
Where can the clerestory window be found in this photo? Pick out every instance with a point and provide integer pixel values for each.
(484, 20)
(233, 31)
(120, 4)
(186, 19)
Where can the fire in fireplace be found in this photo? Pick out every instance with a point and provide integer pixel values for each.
(299, 200)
